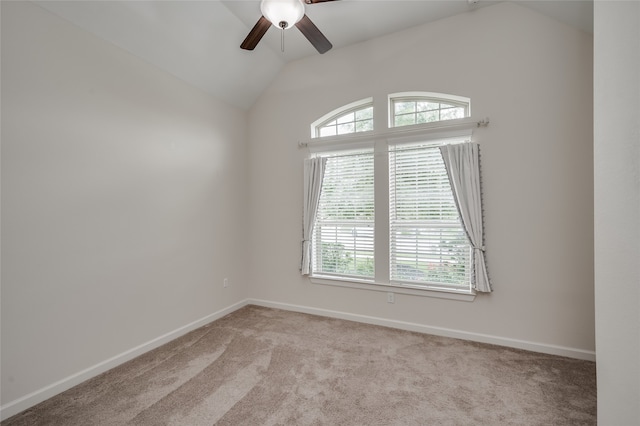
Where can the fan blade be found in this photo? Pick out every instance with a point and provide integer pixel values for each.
(256, 33)
(316, 1)
(313, 34)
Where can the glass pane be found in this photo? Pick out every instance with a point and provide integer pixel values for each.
(347, 118)
(404, 107)
(405, 120)
(328, 131)
(345, 249)
(333, 257)
(451, 113)
(459, 112)
(430, 255)
(364, 126)
(432, 116)
(344, 129)
(364, 114)
(427, 106)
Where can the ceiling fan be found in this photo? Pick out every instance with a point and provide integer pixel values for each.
(283, 14)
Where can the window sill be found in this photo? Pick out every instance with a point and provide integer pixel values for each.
(450, 294)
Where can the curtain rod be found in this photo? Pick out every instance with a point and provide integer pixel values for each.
(374, 154)
(394, 132)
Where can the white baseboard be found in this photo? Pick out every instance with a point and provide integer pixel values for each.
(27, 401)
(438, 331)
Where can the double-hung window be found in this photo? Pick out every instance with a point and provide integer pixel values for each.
(427, 243)
(424, 242)
(343, 239)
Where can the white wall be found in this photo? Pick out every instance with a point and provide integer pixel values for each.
(124, 190)
(123, 202)
(617, 210)
(533, 77)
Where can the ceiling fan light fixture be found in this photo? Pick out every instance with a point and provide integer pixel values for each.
(278, 12)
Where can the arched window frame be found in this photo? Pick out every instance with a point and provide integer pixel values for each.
(336, 114)
(431, 97)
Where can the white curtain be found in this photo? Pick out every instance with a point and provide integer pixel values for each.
(313, 175)
(462, 162)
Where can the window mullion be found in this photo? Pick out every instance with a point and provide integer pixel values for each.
(381, 238)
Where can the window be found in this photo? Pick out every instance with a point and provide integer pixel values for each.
(386, 213)
(421, 230)
(427, 242)
(344, 230)
(353, 118)
(412, 108)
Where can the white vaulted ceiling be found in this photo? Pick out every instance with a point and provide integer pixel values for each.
(198, 41)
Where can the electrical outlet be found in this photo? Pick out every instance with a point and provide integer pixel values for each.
(391, 298)
(225, 282)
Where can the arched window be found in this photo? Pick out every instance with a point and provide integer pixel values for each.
(410, 108)
(352, 118)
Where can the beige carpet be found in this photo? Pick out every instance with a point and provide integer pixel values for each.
(260, 366)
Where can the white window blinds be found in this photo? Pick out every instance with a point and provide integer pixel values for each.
(428, 245)
(343, 241)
